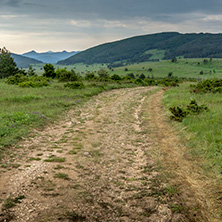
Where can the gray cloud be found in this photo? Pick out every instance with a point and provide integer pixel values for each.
(78, 24)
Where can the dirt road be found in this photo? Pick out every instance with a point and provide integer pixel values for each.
(100, 163)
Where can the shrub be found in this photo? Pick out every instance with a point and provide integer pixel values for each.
(103, 74)
(49, 71)
(90, 76)
(140, 82)
(115, 77)
(66, 76)
(208, 86)
(178, 113)
(16, 79)
(24, 81)
(74, 85)
(193, 108)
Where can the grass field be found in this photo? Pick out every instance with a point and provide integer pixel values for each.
(189, 68)
(202, 131)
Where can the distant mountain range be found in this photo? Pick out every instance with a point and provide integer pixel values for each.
(23, 61)
(49, 57)
(146, 48)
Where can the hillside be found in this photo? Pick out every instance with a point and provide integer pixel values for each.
(144, 48)
(23, 61)
(49, 57)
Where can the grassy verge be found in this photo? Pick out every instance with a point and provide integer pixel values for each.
(202, 131)
(25, 108)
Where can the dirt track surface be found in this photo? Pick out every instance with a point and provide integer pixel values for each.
(95, 165)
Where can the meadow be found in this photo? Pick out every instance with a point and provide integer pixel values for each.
(200, 132)
(188, 68)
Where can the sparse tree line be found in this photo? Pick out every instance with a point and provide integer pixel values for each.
(22, 78)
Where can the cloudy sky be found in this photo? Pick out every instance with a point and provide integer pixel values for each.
(57, 25)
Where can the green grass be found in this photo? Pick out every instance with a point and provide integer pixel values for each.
(203, 131)
(79, 67)
(188, 68)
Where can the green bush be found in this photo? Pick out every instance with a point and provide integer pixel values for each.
(116, 77)
(90, 76)
(208, 86)
(178, 113)
(193, 108)
(66, 76)
(74, 85)
(24, 81)
(16, 79)
(140, 82)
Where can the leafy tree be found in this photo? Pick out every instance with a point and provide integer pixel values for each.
(66, 76)
(49, 71)
(170, 74)
(90, 76)
(115, 77)
(31, 71)
(142, 76)
(103, 74)
(8, 66)
(174, 60)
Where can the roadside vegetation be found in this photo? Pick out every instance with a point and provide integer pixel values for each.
(201, 129)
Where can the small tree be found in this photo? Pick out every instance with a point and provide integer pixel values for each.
(170, 74)
(8, 66)
(142, 76)
(49, 71)
(174, 60)
(31, 71)
(103, 74)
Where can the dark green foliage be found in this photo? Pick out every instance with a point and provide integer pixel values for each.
(208, 86)
(150, 69)
(140, 82)
(66, 76)
(193, 108)
(31, 71)
(142, 76)
(49, 71)
(90, 76)
(24, 81)
(170, 74)
(174, 60)
(150, 82)
(16, 79)
(131, 75)
(115, 77)
(178, 113)
(169, 82)
(74, 85)
(134, 49)
(8, 66)
(103, 74)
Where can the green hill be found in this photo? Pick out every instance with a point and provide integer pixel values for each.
(23, 61)
(152, 47)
